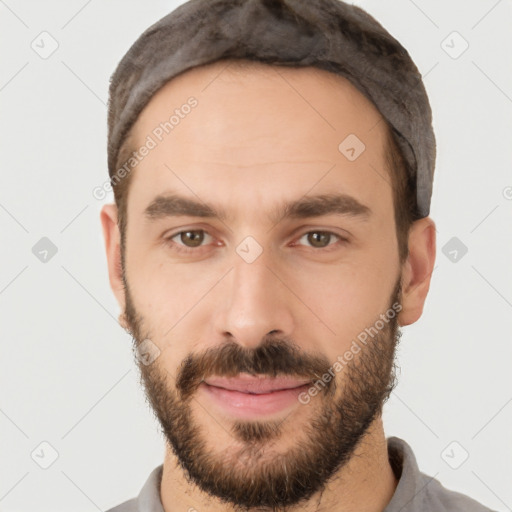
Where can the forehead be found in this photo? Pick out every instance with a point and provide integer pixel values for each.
(235, 88)
(257, 128)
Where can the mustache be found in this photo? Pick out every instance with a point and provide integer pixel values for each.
(272, 357)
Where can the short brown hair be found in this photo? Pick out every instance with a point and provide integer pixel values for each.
(404, 193)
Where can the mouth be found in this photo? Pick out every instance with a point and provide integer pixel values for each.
(247, 396)
(256, 385)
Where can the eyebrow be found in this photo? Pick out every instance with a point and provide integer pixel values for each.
(174, 205)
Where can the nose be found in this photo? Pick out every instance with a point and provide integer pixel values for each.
(256, 302)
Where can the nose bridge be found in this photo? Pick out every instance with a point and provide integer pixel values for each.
(257, 301)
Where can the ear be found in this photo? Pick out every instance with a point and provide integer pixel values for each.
(112, 238)
(417, 270)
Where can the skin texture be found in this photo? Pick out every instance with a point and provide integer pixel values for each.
(260, 136)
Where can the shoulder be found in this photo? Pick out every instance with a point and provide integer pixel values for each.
(417, 491)
(127, 506)
(439, 498)
(148, 498)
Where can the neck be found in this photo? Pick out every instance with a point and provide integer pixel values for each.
(366, 482)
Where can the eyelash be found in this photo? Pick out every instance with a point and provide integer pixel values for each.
(188, 250)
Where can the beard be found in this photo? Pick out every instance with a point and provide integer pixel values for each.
(251, 474)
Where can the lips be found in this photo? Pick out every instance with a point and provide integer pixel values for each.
(253, 397)
(256, 385)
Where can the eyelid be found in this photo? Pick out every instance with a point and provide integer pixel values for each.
(305, 229)
(330, 246)
(180, 247)
(171, 233)
(170, 237)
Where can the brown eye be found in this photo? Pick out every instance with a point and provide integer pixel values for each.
(319, 239)
(192, 238)
(189, 241)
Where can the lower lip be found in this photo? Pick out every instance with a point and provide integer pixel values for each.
(245, 405)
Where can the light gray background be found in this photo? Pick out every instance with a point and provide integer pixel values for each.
(67, 373)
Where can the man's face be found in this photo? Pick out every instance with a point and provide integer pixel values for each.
(263, 291)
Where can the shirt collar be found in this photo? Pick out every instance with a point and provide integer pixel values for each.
(410, 481)
(149, 497)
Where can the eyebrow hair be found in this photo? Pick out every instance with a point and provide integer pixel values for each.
(306, 207)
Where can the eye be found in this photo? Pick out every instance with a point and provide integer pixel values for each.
(189, 239)
(320, 239)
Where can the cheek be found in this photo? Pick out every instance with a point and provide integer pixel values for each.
(170, 297)
(345, 298)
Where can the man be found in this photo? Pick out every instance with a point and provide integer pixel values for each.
(272, 165)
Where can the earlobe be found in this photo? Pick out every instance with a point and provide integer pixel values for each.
(417, 270)
(112, 238)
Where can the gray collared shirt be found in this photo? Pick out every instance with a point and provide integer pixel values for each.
(415, 492)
